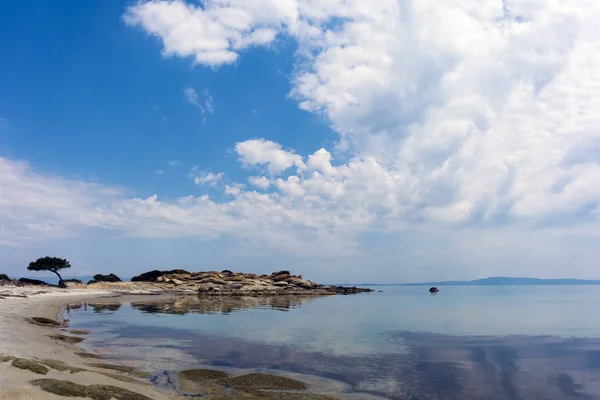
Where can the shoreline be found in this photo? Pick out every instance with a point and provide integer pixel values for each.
(22, 339)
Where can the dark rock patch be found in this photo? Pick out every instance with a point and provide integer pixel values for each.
(32, 366)
(61, 366)
(89, 355)
(155, 274)
(122, 378)
(41, 321)
(265, 381)
(202, 374)
(111, 278)
(4, 277)
(34, 282)
(433, 290)
(79, 332)
(121, 368)
(66, 339)
(94, 392)
(60, 388)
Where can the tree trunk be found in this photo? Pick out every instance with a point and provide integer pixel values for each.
(61, 284)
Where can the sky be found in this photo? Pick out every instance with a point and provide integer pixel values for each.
(344, 140)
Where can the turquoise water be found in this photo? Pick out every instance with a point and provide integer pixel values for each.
(501, 342)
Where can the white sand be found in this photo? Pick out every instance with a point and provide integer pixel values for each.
(21, 339)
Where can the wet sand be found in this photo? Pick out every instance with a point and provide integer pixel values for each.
(23, 339)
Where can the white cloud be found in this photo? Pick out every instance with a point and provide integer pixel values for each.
(204, 103)
(159, 171)
(212, 34)
(472, 126)
(209, 178)
(261, 182)
(174, 163)
(266, 152)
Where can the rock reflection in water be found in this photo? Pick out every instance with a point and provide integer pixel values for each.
(105, 307)
(216, 305)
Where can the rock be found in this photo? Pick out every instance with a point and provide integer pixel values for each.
(176, 281)
(60, 388)
(265, 381)
(281, 284)
(235, 286)
(30, 365)
(235, 278)
(226, 272)
(66, 339)
(147, 276)
(160, 279)
(280, 277)
(279, 273)
(94, 392)
(433, 290)
(4, 277)
(152, 276)
(111, 278)
(35, 282)
(212, 280)
(351, 290)
(42, 321)
(61, 366)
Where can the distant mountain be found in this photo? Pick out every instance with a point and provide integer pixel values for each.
(500, 281)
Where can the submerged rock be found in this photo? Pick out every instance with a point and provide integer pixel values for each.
(60, 388)
(433, 290)
(66, 339)
(89, 355)
(61, 366)
(32, 366)
(94, 392)
(265, 381)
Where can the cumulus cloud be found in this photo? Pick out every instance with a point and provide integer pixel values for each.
(261, 182)
(258, 152)
(209, 178)
(476, 116)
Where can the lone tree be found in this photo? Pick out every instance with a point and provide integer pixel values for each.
(52, 264)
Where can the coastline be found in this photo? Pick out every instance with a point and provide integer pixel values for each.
(30, 341)
(22, 339)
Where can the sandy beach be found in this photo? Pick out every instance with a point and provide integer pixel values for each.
(21, 338)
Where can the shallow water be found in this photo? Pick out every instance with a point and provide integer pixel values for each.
(539, 342)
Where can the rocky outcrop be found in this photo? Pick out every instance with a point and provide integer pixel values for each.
(228, 283)
(152, 276)
(4, 277)
(105, 278)
(35, 282)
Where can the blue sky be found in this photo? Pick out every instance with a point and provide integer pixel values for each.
(403, 141)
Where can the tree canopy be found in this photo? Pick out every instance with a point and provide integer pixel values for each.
(52, 264)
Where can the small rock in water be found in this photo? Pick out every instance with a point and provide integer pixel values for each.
(433, 290)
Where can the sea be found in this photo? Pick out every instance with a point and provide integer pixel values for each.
(399, 342)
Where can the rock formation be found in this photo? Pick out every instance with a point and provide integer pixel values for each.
(228, 283)
(105, 278)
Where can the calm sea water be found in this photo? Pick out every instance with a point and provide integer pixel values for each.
(502, 342)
